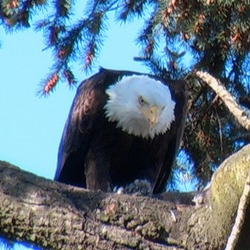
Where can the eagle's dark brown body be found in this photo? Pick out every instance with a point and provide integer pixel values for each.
(96, 154)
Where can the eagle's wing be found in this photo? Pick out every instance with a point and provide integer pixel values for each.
(87, 106)
(180, 96)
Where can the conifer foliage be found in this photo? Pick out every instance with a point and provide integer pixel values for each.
(178, 38)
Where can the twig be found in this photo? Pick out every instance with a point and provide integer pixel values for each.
(226, 97)
(241, 212)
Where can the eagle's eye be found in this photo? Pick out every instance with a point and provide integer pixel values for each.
(142, 101)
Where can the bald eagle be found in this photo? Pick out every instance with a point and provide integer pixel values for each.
(122, 127)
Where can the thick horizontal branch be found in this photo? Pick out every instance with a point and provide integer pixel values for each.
(57, 216)
(226, 97)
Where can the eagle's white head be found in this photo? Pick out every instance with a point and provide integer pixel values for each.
(141, 106)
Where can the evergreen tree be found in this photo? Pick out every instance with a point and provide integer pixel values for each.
(179, 38)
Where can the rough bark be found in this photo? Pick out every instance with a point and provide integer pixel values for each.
(56, 216)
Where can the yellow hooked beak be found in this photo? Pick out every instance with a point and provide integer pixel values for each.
(151, 114)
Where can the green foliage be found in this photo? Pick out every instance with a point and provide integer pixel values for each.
(179, 36)
(17, 13)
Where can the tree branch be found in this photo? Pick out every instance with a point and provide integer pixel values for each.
(226, 97)
(56, 216)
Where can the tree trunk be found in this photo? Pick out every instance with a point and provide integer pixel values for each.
(57, 216)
